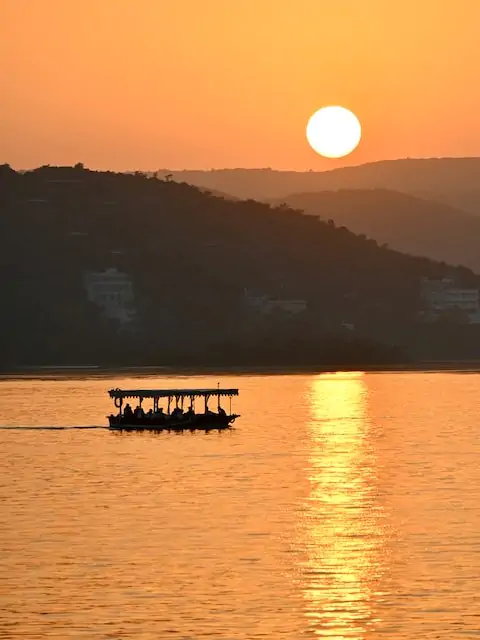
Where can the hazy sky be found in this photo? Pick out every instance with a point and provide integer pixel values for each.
(147, 84)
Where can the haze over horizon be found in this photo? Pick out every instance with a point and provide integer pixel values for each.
(207, 84)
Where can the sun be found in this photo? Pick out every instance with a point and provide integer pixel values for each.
(334, 132)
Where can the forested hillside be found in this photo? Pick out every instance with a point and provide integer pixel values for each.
(191, 256)
(451, 180)
(407, 223)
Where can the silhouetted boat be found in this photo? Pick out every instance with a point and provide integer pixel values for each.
(175, 417)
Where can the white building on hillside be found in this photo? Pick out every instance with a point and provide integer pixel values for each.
(112, 291)
(440, 296)
(266, 304)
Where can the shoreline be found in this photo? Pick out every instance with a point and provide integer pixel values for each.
(39, 371)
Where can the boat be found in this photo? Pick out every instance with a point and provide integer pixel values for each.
(174, 418)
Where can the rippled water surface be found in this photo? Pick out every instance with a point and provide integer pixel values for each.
(341, 506)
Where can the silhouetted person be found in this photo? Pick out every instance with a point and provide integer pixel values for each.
(128, 413)
(159, 416)
(177, 413)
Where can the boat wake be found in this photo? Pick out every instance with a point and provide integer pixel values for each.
(16, 428)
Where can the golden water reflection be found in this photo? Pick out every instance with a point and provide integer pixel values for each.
(343, 525)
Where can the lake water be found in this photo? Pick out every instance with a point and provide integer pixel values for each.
(341, 506)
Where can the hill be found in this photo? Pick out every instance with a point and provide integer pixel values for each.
(190, 257)
(466, 199)
(218, 194)
(404, 222)
(451, 180)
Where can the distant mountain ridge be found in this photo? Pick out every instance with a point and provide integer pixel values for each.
(404, 222)
(190, 257)
(454, 181)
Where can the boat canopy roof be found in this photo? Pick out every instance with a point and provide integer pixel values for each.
(172, 393)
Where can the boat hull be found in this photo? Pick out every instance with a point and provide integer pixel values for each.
(198, 422)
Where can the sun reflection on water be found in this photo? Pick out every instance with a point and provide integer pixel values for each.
(343, 517)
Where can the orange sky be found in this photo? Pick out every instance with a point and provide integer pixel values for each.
(147, 84)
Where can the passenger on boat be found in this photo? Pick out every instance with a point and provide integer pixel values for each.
(222, 412)
(139, 413)
(177, 412)
(128, 413)
(190, 413)
(159, 416)
(149, 414)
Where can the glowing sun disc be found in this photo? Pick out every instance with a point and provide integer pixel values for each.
(334, 132)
